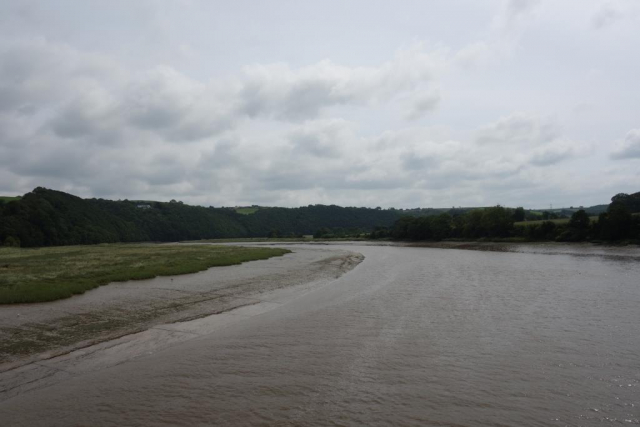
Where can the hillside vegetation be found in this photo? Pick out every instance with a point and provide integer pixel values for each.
(52, 218)
(618, 223)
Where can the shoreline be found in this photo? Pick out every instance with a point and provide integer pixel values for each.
(445, 243)
(31, 333)
(242, 292)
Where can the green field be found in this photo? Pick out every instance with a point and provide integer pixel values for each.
(557, 221)
(47, 274)
(10, 198)
(247, 211)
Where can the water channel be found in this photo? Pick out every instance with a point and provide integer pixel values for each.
(539, 335)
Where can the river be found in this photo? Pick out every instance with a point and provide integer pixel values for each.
(543, 335)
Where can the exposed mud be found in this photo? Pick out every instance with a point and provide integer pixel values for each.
(545, 335)
(35, 332)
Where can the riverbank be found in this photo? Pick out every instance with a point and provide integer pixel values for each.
(52, 273)
(40, 331)
(411, 335)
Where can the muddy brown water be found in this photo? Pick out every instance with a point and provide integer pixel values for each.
(543, 335)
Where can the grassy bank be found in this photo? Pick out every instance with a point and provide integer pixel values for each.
(47, 274)
(8, 199)
(247, 211)
(555, 221)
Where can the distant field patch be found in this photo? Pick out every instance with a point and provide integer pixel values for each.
(8, 199)
(47, 274)
(557, 221)
(247, 211)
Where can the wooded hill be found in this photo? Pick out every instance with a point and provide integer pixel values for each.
(46, 217)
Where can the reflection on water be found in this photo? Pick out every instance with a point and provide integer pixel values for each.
(412, 336)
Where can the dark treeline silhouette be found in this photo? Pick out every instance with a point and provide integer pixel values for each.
(617, 223)
(309, 219)
(47, 218)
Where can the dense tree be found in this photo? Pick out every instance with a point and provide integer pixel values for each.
(577, 228)
(518, 214)
(617, 223)
(46, 217)
(630, 201)
(580, 220)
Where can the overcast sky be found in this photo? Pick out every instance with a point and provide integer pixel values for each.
(355, 103)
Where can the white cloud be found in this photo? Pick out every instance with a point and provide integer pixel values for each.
(519, 129)
(605, 16)
(514, 14)
(424, 103)
(213, 114)
(278, 91)
(629, 148)
(552, 155)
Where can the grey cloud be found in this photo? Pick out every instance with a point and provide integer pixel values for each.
(166, 101)
(314, 145)
(551, 156)
(322, 138)
(630, 148)
(91, 115)
(517, 8)
(412, 161)
(277, 90)
(159, 99)
(161, 171)
(224, 155)
(423, 104)
(333, 179)
(35, 73)
(511, 19)
(88, 109)
(518, 128)
(53, 161)
(605, 16)
(24, 67)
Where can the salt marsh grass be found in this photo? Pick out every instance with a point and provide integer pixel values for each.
(47, 274)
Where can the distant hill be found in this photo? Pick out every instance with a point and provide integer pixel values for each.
(596, 210)
(46, 217)
(309, 219)
(567, 212)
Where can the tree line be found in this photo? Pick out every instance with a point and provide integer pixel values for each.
(615, 224)
(46, 217)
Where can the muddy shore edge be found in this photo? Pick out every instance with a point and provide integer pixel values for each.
(31, 333)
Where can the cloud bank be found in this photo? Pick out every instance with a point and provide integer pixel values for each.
(439, 122)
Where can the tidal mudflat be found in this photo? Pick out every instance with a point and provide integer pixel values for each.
(533, 335)
(31, 332)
